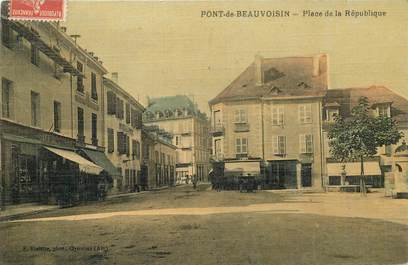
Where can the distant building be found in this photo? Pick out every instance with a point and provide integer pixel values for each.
(190, 129)
(383, 101)
(267, 122)
(52, 114)
(123, 134)
(158, 158)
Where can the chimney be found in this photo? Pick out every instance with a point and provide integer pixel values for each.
(316, 65)
(115, 77)
(258, 70)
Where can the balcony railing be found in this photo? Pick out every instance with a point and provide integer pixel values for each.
(218, 129)
(241, 127)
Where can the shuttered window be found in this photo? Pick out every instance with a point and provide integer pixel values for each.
(111, 103)
(306, 143)
(127, 113)
(111, 141)
(305, 113)
(277, 115)
(279, 144)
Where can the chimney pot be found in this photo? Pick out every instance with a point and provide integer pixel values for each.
(316, 65)
(258, 70)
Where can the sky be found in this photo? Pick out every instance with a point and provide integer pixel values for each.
(165, 48)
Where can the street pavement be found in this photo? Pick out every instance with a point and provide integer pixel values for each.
(183, 226)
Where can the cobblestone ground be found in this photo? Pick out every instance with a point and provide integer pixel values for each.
(182, 226)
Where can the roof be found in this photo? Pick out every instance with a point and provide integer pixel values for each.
(180, 102)
(348, 98)
(130, 98)
(288, 76)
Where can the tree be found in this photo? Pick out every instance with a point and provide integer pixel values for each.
(357, 137)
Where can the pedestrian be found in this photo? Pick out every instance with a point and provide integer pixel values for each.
(194, 179)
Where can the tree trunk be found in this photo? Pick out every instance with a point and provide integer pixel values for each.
(362, 179)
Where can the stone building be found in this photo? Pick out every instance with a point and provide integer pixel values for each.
(190, 128)
(158, 158)
(123, 134)
(267, 122)
(383, 101)
(51, 111)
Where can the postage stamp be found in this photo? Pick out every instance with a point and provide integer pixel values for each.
(47, 10)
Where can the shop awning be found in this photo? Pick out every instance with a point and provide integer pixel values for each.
(101, 160)
(242, 168)
(354, 169)
(84, 164)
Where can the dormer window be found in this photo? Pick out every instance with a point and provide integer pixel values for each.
(383, 109)
(332, 111)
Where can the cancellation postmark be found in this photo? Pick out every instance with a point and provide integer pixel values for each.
(42, 10)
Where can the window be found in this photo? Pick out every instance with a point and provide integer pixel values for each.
(127, 107)
(111, 98)
(35, 55)
(6, 99)
(81, 136)
(331, 114)
(306, 143)
(384, 110)
(305, 113)
(177, 140)
(136, 149)
(35, 109)
(240, 116)
(80, 80)
(94, 92)
(111, 140)
(306, 175)
(119, 108)
(94, 123)
(277, 115)
(57, 116)
(279, 145)
(6, 33)
(127, 145)
(241, 145)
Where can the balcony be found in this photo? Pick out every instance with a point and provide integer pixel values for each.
(217, 129)
(51, 52)
(241, 127)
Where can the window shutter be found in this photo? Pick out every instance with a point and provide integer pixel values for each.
(275, 144)
(281, 115)
(244, 145)
(236, 116)
(302, 144)
(127, 145)
(127, 113)
(111, 142)
(238, 145)
(308, 114)
(309, 143)
(119, 142)
(274, 115)
(301, 113)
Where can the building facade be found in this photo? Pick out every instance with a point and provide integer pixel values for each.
(179, 116)
(123, 135)
(51, 112)
(383, 101)
(158, 158)
(267, 122)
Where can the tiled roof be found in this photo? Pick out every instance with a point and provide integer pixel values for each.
(289, 76)
(172, 103)
(348, 98)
